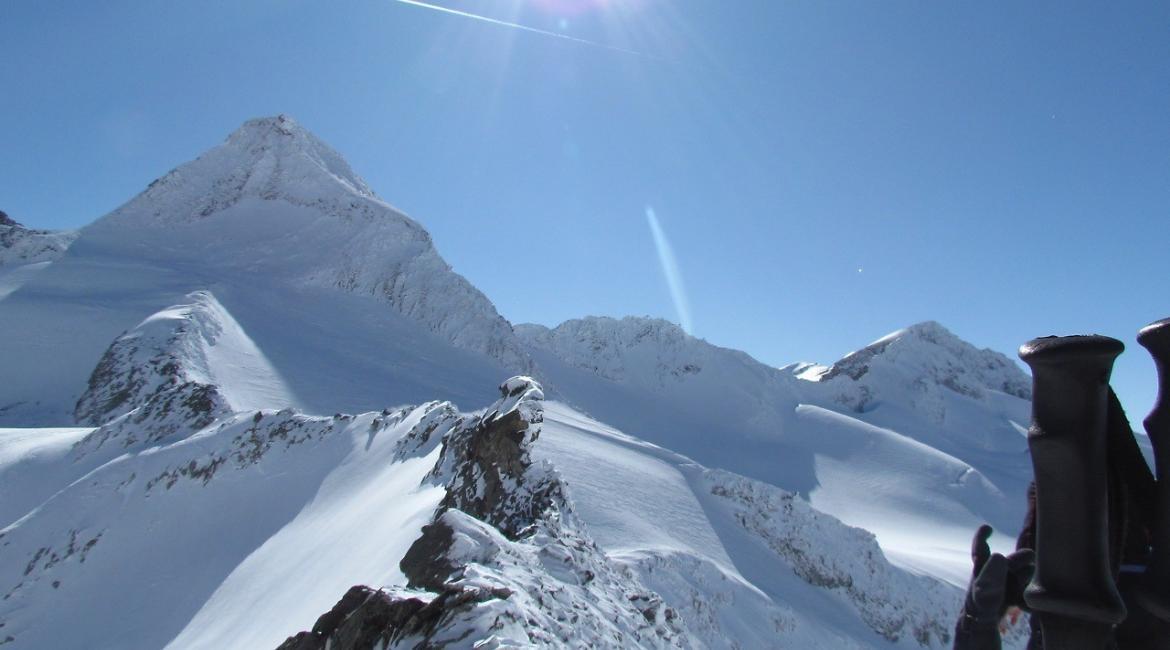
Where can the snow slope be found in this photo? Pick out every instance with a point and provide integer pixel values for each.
(236, 532)
(296, 246)
(918, 437)
(741, 559)
(171, 545)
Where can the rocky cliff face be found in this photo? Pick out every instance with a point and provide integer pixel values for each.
(505, 559)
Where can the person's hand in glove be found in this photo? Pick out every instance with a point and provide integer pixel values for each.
(995, 579)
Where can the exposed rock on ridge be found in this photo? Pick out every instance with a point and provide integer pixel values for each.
(161, 378)
(505, 560)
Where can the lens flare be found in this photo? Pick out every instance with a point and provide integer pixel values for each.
(525, 28)
(570, 7)
(670, 271)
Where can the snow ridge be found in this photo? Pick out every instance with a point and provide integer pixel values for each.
(505, 560)
(610, 347)
(176, 372)
(20, 245)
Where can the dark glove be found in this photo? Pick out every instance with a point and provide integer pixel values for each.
(1021, 566)
(993, 576)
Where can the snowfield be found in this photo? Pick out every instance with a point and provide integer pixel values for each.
(255, 394)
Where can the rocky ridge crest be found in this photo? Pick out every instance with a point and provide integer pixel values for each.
(504, 561)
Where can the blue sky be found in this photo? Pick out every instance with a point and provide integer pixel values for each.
(825, 172)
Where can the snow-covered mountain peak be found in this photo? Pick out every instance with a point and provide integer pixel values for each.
(276, 213)
(282, 137)
(266, 159)
(929, 350)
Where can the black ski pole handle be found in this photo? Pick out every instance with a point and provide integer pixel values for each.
(1072, 590)
(1154, 593)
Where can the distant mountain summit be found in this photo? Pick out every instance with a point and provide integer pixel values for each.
(20, 245)
(612, 347)
(931, 350)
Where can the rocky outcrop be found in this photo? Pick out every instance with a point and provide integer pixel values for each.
(504, 561)
(363, 615)
(175, 373)
(488, 471)
(154, 382)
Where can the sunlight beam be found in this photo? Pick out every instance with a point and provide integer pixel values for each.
(504, 23)
(670, 271)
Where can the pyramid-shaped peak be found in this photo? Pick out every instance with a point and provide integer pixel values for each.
(930, 329)
(929, 349)
(267, 158)
(273, 130)
(280, 141)
(925, 332)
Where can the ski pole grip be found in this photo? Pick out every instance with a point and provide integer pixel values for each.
(1155, 591)
(1067, 440)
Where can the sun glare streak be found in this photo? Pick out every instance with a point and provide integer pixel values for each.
(505, 23)
(670, 271)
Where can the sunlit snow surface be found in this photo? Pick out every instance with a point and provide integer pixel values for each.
(260, 549)
(250, 552)
(298, 288)
(898, 452)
